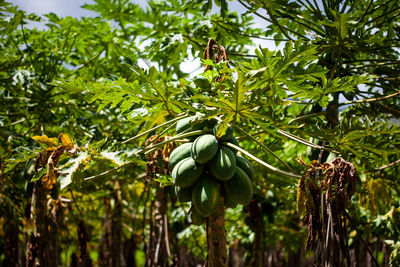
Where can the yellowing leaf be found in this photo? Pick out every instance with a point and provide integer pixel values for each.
(301, 206)
(44, 139)
(66, 140)
(139, 188)
(50, 178)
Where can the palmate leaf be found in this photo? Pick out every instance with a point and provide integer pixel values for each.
(232, 105)
(22, 155)
(276, 73)
(70, 167)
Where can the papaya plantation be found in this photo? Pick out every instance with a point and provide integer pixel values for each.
(200, 133)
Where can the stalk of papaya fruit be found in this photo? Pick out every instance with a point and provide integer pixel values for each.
(216, 238)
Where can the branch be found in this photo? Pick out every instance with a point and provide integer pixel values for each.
(249, 35)
(76, 204)
(392, 110)
(269, 20)
(384, 166)
(365, 12)
(275, 21)
(305, 142)
(370, 99)
(155, 128)
(151, 149)
(308, 116)
(381, 16)
(266, 148)
(109, 171)
(272, 168)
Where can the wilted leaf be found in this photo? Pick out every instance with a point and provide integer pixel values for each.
(44, 139)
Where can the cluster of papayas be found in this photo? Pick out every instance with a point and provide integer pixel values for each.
(206, 169)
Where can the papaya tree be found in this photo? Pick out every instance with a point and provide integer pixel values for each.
(330, 89)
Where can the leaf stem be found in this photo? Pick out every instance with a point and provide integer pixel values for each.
(305, 142)
(155, 128)
(151, 149)
(272, 168)
(265, 148)
(109, 171)
(370, 99)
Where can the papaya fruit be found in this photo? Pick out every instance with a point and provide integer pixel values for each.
(206, 196)
(186, 172)
(198, 126)
(204, 148)
(183, 194)
(196, 218)
(229, 202)
(179, 153)
(190, 123)
(202, 82)
(238, 189)
(184, 124)
(223, 165)
(233, 140)
(245, 165)
(228, 134)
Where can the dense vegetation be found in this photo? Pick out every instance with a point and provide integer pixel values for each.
(92, 108)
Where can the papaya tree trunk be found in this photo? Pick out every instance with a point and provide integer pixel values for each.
(110, 253)
(38, 247)
(216, 238)
(256, 223)
(158, 253)
(83, 257)
(11, 242)
(129, 247)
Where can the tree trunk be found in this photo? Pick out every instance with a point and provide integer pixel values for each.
(236, 255)
(83, 258)
(11, 243)
(110, 253)
(158, 253)
(129, 251)
(216, 238)
(43, 248)
(258, 227)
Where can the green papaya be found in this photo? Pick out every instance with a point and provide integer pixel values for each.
(228, 134)
(245, 165)
(238, 189)
(186, 172)
(192, 123)
(198, 126)
(179, 153)
(223, 165)
(206, 196)
(229, 202)
(204, 148)
(202, 82)
(183, 194)
(196, 218)
(184, 124)
(233, 140)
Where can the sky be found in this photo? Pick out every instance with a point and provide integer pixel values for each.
(61, 7)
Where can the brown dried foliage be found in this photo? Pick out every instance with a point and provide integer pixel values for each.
(157, 162)
(326, 190)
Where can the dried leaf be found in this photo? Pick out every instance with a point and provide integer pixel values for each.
(301, 205)
(44, 139)
(66, 141)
